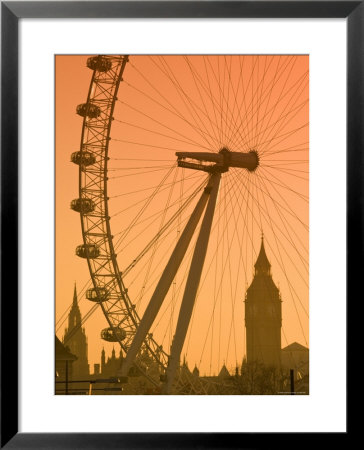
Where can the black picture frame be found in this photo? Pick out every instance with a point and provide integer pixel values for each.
(11, 12)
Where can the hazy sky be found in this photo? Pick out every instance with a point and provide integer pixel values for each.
(195, 103)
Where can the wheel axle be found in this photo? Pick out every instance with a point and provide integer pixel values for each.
(221, 161)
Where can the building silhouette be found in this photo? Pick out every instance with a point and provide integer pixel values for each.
(111, 367)
(75, 339)
(263, 315)
(264, 355)
(64, 360)
(296, 356)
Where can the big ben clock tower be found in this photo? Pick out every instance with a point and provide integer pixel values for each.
(263, 315)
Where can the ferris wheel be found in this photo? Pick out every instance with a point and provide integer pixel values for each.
(184, 162)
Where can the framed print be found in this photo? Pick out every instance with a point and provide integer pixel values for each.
(182, 182)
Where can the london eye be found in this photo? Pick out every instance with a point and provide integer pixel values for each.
(185, 163)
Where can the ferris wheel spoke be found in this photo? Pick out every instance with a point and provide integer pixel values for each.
(272, 126)
(291, 102)
(221, 103)
(222, 99)
(281, 184)
(173, 111)
(284, 136)
(293, 149)
(287, 77)
(171, 221)
(189, 104)
(124, 175)
(232, 300)
(212, 101)
(286, 165)
(234, 119)
(288, 209)
(259, 96)
(159, 134)
(296, 111)
(278, 206)
(237, 207)
(252, 105)
(169, 128)
(145, 205)
(269, 126)
(143, 144)
(227, 70)
(292, 290)
(246, 120)
(269, 221)
(289, 229)
(267, 98)
(289, 171)
(265, 134)
(285, 233)
(243, 138)
(156, 190)
(161, 227)
(113, 169)
(236, 133)
(206, 113)
(239, 184)
(286, 162)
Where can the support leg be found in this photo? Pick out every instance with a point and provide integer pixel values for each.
(165, 280)
(192, 283)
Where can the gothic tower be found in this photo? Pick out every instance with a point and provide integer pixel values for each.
(75, 338)
(263, 315)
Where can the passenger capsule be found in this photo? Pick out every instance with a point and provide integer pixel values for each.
(83, 205)
(99, 63)
(96, 295)
(88, 110)
(83, 158)
(88, 251)
(108, 334)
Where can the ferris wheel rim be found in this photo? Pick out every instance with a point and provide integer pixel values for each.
(123, 297)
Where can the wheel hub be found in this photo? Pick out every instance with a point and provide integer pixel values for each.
(221, 161)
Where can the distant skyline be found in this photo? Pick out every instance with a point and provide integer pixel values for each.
(275, 124)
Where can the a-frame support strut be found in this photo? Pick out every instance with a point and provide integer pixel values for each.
(192, 284)
(168, 275)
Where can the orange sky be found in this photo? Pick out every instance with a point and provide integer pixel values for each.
(194, 103)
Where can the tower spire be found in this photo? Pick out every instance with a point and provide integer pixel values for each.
(74, 303)
(262, 265)
(74, 317)
(76, 338)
